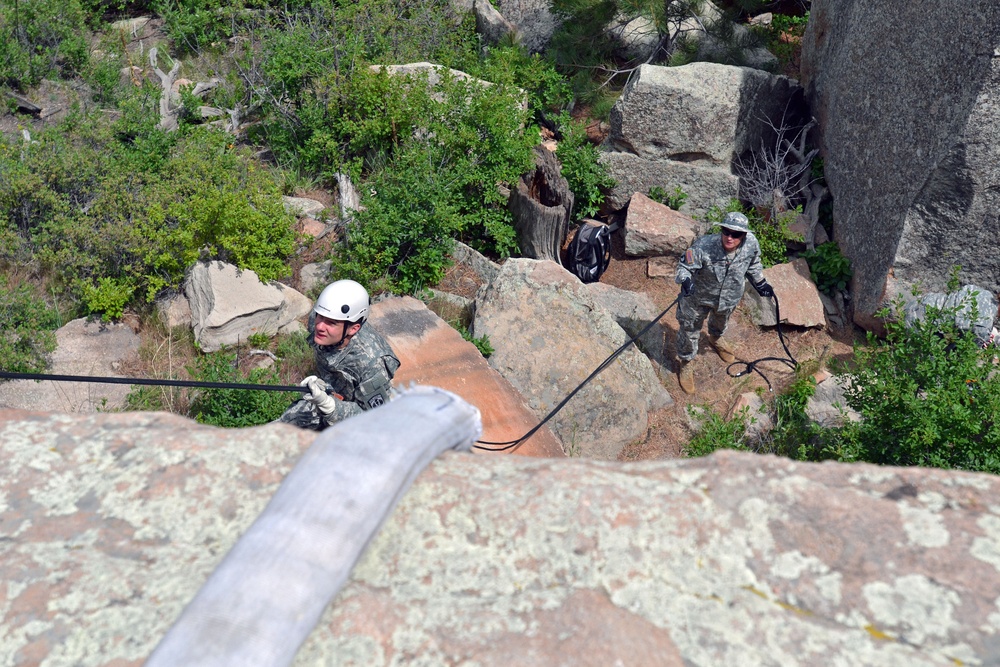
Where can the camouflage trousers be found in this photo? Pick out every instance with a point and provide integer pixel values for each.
(690, 317)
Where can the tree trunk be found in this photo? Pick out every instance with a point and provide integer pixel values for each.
(541, 205)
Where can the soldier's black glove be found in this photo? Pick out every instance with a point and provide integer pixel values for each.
(764, 289)
(687, 287)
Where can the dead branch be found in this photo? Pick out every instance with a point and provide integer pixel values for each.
(168, 116)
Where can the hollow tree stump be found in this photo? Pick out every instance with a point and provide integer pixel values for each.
(541, 205)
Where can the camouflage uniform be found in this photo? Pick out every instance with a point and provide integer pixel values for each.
(361, 372)
(718, 287)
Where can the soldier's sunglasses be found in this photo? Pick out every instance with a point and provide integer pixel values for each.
(733, 235)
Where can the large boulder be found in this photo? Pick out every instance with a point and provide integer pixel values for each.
(687, 125)
(798, 298)
(91, 348)
(112, 522)
(533, 19)
(634, 312)
(548, 333)
(653, 230)
(228, 305)
(907, 96)
(433, 353)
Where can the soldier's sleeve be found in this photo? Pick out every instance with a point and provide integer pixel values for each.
(689, 262)
(377, 384)
(756, 269)
(344, 410)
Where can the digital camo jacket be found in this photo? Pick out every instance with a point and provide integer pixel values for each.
(361, 373)
(718, 278)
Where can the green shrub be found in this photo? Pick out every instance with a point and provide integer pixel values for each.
(928, 395)
(588, 179)
(39, 38)
(771, 234)
(235, 407)
(673, 199)
(116, 211)
(482, 343)
(26, 329)
(716, 432)
(431, 165)
(782, 37)
(548, 91)
(829, 269)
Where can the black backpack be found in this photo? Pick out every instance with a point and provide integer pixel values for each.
(589, 253)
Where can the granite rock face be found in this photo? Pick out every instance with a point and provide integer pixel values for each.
(907, 97)
(686, 126)
(111, 523)
(548, 332)
(83, 348)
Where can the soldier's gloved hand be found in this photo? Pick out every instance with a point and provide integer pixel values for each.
(764, 289)
(317, 395)
(687, 287)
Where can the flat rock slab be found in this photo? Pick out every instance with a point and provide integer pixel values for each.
(433, 353)
(82, 348)
(112, 522)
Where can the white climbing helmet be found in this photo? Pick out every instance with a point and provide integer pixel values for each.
(736, 221)
(343, 300)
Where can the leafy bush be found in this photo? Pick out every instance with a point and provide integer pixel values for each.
(40, 37)
(482, 343)
(783, 37)
(928, 395)
(548, 91)
(829, 269)
(716, 432)
(235, 407)
(673, 199)
(588, 179)
(771, 234)
(26, 329)
(118, 212)
(435, 163)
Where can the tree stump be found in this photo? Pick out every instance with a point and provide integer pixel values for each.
(541, 205)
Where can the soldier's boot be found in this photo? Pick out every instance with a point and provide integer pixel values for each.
(726, 351)
(685, 376)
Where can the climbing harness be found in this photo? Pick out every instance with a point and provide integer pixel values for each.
(512, 445)
(751, 366)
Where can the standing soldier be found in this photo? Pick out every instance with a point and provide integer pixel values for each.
(711, 275)
(354, 363)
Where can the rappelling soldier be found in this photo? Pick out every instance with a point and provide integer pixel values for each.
(711, 275)
(354, 363)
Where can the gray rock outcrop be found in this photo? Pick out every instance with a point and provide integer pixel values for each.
(112, 523)
(229, 305)
(82, 348)
(493, 27)
(685, 126)
(533, 19)
(828, 406)
(547, 332)
(907, 97)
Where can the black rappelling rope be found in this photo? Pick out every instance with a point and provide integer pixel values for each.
(751, 366)
(512, 445)
(168, 383)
